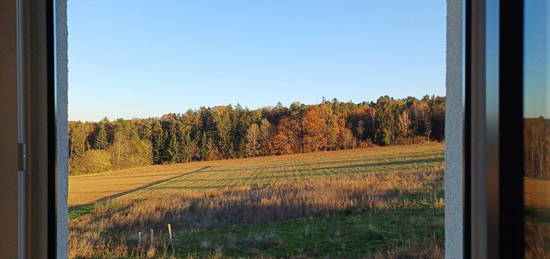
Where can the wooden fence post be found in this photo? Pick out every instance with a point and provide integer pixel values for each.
(171, 240)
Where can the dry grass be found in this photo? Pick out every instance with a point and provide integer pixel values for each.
(537, 239)
(111, 229)
(417, 250)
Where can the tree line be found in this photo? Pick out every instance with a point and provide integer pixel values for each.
(225, 132)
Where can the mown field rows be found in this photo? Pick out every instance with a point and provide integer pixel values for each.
(86, 189)
(298, 167)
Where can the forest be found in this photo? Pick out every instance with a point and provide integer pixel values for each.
(226, 132)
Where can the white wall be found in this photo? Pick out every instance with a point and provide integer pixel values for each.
(454, 124)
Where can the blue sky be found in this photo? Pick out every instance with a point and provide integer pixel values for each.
(137, 58)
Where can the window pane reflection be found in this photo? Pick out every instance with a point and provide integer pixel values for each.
(537, 129)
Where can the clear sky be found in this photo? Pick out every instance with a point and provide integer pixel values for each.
(139, 58)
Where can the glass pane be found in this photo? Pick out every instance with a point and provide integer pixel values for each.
(537, 129)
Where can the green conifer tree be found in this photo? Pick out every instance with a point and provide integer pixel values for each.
(101, 141)
(158, 143)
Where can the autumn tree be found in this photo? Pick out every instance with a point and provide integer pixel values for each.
(265, 135)
(315, 135)
(279, 144)
(345, 137)
(288, 130)
(253, 140)
(404, 124)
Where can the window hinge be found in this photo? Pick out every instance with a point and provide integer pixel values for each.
(22, 157)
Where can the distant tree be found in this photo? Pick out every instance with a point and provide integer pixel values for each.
(206, 147)
(158, 143)
(128, 150)
(363, 123)
(253, 141)
(404, 124)
(145, 129)
(224, 127)
(420, 116)
(121, 142)
(291, 128)
(101, 140)
(428, 115)
(190, 148)
(78, 138)
(279, 145)
(315, 138)
(387, 111)
(242, 118)
(78, 144)
(345, 136)
(94, 161)
(265, 136)
(173, 149)
(437, 118)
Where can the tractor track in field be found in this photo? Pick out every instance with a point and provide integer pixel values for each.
(114, 196)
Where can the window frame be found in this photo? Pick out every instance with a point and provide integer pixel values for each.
(494, 80)
(485, 133)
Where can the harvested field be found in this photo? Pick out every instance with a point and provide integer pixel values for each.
(375, 202)
(85, 189)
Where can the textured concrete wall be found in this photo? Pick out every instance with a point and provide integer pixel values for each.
(454, 124)
(62, 138)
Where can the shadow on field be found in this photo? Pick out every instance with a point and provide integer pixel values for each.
(149, 185)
